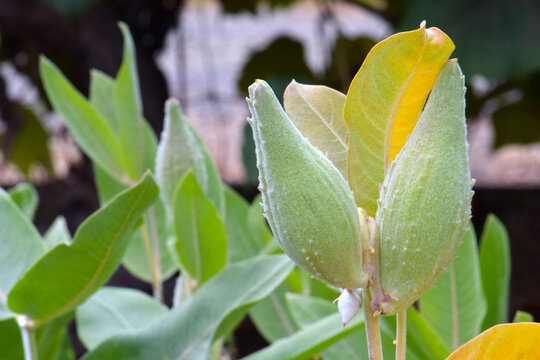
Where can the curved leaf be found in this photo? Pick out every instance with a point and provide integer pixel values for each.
(186, 332)
(317, 111)
(67, 275)
(26, 198)
(384, 102)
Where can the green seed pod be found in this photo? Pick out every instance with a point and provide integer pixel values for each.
(425, 201)
(308, 203)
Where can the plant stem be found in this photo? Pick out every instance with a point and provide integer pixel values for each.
(455, 319)
(372, 329)
(28, 338)
(401, 340)
(155, 267)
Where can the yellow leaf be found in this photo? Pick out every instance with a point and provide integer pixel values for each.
(502, 342)
(384, 102)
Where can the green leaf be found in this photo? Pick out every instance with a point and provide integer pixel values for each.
(21, 246)
(257, 223)
(112, 311)
(187, 331)
(58, 233)
(422, 338)
(201, 238)
(310, 340)
(384, 102)
(25, 196)
(67, 275)
(92, 133)
(10, 341)
(317, 111)
(272, 316)
(137, 140)
(181, 149)
(51, 339)
(522, 316)
(101, 98)
(242, 244)
(495, 271)
(456, 306)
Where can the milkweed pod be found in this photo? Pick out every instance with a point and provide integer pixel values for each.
(308, 203)
(425, 201)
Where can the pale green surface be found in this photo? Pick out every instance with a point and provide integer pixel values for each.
(57, 233)
(201, 240)
(20, 244)
(462, 282)
(272, 317)
(426, 196)
(317, 111)
(522, 316)
(112, 311)
(308, 203)
(495, 270)
(422, 339)
(25, 196)
(186, 332)
(137, 140)
(92, 133)
(101, 97)
(67, 275)
(180, 149)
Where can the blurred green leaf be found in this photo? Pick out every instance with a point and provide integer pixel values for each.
(495, 271)
(272, 316)
(102, 98)
(522, 316)
(58, 233)
(21, 246)
(456, 306)
(180, 149)
(187, 331)
(112, 311)
(136, 138)
(10, 341)
(201, 238)
(248, 155)
(92, 133)
(422, 339)
(52, 339)
(30, 143)
(25, 196)
(67, 275)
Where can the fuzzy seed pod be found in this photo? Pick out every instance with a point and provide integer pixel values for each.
(425, 201)
(308, 203)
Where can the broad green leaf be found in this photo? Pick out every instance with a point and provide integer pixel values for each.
(522, 316)
(67, 275)
(21, 246)
(10, 341)
(58, 233)
(111, 311)
(201, 238)
(456, 306)
(51, 339)
(139, 256)
(257, 223)
(502, 342)
(495, 271)
(25, 196)
(92, 133)
(317, 111)
(310, 340)
(241, 243)
(272, 316)
(136, 138)
(187, 331)
(180, 149)
(384, 102)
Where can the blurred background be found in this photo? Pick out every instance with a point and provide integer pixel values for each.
(206, 54)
